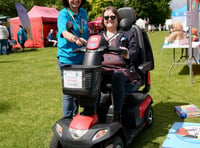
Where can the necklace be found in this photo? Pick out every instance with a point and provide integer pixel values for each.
(79, 27)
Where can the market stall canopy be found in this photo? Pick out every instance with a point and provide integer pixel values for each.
(95, 26)
(42, 19)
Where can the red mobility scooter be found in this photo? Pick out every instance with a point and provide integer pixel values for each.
(98, 130)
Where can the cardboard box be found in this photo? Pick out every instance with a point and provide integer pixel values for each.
(186, 111)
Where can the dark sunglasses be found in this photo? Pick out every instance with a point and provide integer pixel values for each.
(112, 17)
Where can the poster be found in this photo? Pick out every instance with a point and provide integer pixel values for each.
(183, 135)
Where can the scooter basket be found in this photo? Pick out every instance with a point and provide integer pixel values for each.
(81, 80)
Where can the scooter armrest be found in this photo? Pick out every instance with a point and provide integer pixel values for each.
(145, 67)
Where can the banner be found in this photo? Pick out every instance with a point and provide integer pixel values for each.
(24, 19)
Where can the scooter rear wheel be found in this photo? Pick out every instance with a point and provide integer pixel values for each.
(149, 117)
(55, 142)
(115, 142)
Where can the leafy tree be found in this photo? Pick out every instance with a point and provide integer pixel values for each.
(156, 10)
(8, 6)
(96, 6)
(118, 3)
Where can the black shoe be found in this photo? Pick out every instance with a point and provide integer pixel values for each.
(88, 112)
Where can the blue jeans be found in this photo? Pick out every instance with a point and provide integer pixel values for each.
(69, 103)
(3, 44)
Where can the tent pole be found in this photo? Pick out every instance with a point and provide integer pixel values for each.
(189, 8)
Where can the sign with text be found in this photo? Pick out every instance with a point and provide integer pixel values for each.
(190, 15)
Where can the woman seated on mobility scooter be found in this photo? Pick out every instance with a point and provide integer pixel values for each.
(118, 69)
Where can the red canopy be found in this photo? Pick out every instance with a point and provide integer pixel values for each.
(42, 19)
(95, 26)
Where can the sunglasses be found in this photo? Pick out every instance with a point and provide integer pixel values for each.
(112, 17)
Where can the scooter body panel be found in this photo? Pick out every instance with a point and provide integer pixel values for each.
(87, 140)
(132, 123)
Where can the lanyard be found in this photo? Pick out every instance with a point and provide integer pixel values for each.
(110, 39)
(80, 28)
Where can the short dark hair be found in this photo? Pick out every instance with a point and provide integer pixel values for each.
(66, 3)
(115, 12)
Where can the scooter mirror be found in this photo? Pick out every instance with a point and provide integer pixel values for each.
(70, 27)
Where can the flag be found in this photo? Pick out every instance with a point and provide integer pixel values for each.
(24, 19)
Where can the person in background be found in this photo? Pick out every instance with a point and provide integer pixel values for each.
(69, 41)
(22, 37)
(51, 38)
(9, 38)
(3, 38)
(118, 69)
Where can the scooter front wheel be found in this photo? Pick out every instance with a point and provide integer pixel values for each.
(55, 142)
(115, 142)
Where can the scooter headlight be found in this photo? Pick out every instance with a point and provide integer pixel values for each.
(77, 134)
(99, 134)
(59, 129)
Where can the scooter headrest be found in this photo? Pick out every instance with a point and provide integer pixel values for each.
(129, 13)
(125, 24)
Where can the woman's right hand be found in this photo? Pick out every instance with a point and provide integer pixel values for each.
(74, 39)
(81, 42)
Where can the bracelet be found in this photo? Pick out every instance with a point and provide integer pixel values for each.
(71, 38)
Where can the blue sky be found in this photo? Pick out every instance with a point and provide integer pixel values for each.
(176, 4)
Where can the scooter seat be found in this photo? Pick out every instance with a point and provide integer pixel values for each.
(135, 98)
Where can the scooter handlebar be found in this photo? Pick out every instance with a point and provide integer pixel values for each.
(116, 50)
(104, 49)
(79, 50)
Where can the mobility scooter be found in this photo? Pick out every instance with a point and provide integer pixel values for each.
(98, 130)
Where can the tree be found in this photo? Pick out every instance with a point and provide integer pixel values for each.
(96, 6)
(8, 6)
(156, 10)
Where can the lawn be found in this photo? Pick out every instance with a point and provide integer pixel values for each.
(30, 96)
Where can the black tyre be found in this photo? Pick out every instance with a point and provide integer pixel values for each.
(149, 117)
(115, 142)
(55, 142)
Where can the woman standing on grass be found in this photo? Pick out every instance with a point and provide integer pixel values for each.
(67, 42)
(22, 37)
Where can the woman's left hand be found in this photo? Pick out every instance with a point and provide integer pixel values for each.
(125, 54)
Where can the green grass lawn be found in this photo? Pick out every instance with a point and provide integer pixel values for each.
(30, 96)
